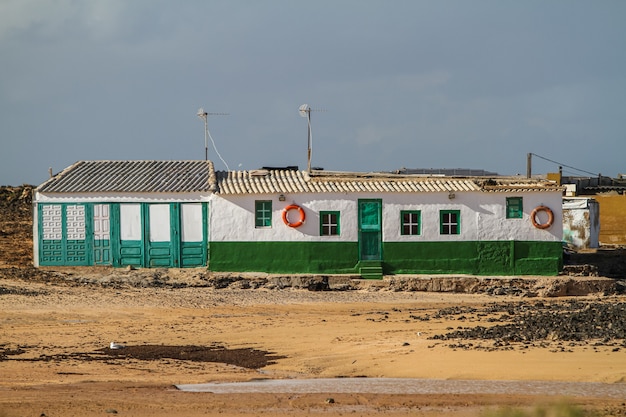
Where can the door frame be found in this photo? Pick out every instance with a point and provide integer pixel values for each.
(377, 234)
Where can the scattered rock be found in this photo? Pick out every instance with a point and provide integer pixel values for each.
(581, 270)
(573, 321)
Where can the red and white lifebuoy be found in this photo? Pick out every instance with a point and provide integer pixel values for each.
(301, 214)
(533, 217)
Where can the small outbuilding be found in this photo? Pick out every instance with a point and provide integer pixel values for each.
(184, 214)
(120, 213)
(581, 222)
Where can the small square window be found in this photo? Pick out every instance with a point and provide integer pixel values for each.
(410, 222)
(263, 214)
(329, 223)
(450, 222)
(514, 208)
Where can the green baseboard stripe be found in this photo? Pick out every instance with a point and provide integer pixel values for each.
(475, 258)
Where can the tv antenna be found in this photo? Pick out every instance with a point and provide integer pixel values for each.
(205, 116)
(305, 111)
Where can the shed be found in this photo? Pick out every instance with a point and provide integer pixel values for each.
(119, 213)
(581, 222)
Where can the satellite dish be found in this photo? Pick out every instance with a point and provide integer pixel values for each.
(305, 110)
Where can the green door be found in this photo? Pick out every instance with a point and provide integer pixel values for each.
(193, 234)
(128, 217)
(162, 235)
(63, 234)
(102, 254)
(370, 230)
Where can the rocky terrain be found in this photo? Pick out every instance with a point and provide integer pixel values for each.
(16, 226)
(559, 326)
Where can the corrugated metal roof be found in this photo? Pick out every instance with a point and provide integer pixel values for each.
(268, 181)
(133, 176)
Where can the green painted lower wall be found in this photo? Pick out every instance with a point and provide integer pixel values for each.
(475, 258)
(284, 257)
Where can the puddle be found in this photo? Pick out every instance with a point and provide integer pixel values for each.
(412, 386)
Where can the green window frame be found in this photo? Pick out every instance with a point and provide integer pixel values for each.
(263, 213)
(329, 223)
(410, 222)
(450, 222)
(514, 208)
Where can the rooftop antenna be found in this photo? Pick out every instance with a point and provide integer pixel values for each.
(205, 116)
(305, 111)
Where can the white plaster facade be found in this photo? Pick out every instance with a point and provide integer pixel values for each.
(483, 216)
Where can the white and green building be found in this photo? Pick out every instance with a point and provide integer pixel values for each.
(120, 213)
(184, 214)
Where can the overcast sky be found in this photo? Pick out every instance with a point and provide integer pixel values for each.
(416, 84)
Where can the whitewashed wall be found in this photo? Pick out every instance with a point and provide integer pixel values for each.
(483, 217)
(233, 219)
(495, 226)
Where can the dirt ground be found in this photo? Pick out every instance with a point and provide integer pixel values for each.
(56, 326)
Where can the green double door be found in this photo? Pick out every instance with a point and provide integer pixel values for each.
(370, 230)
(163, 235)
(64, 234)
(75, 234)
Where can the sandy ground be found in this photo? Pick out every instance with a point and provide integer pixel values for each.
(53, 332)
(54, 335)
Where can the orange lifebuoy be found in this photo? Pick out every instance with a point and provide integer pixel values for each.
(545, 225)
(300, 221)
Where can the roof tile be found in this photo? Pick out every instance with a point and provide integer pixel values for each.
(270, 181)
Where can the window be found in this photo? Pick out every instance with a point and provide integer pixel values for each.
(514, 208)
(263, 214)
(450, 222)
(329, 223)
(410, 222)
